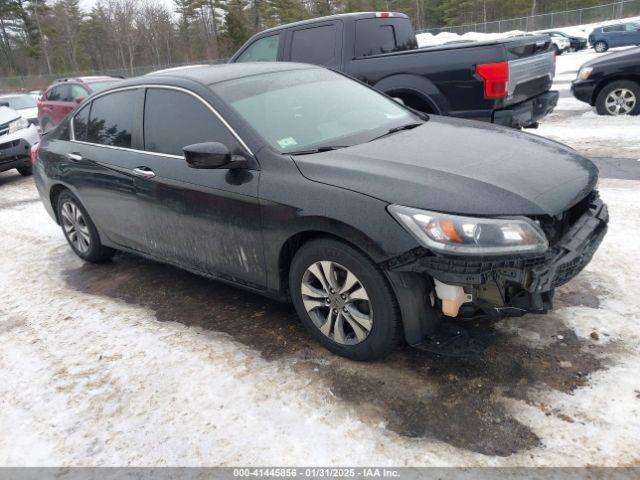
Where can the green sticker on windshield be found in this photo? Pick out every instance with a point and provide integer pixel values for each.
(287, 142)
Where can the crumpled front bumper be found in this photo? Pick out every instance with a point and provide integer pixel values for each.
(527, 277)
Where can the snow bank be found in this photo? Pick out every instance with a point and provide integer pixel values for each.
(428, 39)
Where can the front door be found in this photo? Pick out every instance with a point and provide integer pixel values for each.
(205, 219)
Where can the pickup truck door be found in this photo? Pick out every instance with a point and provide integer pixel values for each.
(319, 44)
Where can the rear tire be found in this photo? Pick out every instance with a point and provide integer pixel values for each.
(25, 171)
(601, 46)
(619, 98)
(352, 310)
(80, 231)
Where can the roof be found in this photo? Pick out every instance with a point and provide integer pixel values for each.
(340, 16)
(210, 74)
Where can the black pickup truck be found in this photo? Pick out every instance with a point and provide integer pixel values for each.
(504, 81)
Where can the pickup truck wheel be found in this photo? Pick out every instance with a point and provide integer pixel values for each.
(344, 300)
(619, 98)
(80, 231)
(601, 46)
(25, 171)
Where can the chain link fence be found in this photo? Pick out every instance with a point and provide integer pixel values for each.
(546, 21)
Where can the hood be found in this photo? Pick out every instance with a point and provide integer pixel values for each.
(457, 166)
(7, 115)
(29, 113)
(631, 56)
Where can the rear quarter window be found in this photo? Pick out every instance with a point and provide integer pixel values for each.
(383, 35)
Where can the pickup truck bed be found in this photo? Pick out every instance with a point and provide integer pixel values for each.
(504, 81)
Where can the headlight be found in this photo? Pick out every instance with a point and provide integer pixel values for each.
(18, 124)
(585, 72)
(469, 235)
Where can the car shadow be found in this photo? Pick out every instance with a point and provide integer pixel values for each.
(412, 393)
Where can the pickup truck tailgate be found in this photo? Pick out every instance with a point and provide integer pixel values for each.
(532, 67)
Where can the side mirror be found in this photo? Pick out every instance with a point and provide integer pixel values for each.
(79, 100)
(211, 155)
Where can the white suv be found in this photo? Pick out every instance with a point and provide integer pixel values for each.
(17, 136)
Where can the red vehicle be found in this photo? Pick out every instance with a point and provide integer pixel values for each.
(64, 94)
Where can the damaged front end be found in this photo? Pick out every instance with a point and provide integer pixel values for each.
(467, 286)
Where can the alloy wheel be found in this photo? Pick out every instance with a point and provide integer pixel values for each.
(620, 101)
(600, 47)
(75, 227)
(337, 302)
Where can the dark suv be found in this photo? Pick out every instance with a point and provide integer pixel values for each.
(64, 94)
(617, 35)
(299, 183)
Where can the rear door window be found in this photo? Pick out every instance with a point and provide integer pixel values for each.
(112, 119)
(315, 45)
(614, 28)
(174, 120)
(262, 50)
(375, 36)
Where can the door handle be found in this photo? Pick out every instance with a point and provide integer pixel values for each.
(76, 157)
(144, 172)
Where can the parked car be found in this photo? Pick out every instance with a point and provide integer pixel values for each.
(299, 183)
(616, 35)
(36, 94)
(611, 83)
(505, 81)
(17, 136)
(64, 94)
(560, 44)
(22, 103)
(575, 43)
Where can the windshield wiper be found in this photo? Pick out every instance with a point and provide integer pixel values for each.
(408, 126)
(327, 148)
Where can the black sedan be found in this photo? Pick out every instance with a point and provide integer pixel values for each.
(299, 183)
(611, 83)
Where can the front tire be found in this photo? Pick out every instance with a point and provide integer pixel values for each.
(619, 98)
(344, 300)
(601, 46)
(80, 231)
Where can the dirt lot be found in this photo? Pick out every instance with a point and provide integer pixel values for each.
(137, 363)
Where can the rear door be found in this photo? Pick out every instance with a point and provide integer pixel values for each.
(632, 34)
(205, 219)
(105, 135)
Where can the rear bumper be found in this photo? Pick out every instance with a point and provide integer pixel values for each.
(517, 284)
(527, 113)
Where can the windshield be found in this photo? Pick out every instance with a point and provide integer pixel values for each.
(19, 102)
(299, 110)
(97, 86)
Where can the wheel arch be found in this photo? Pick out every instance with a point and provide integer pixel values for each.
(54, 193)
(417, 88)
(610, 79)
(411, 290)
